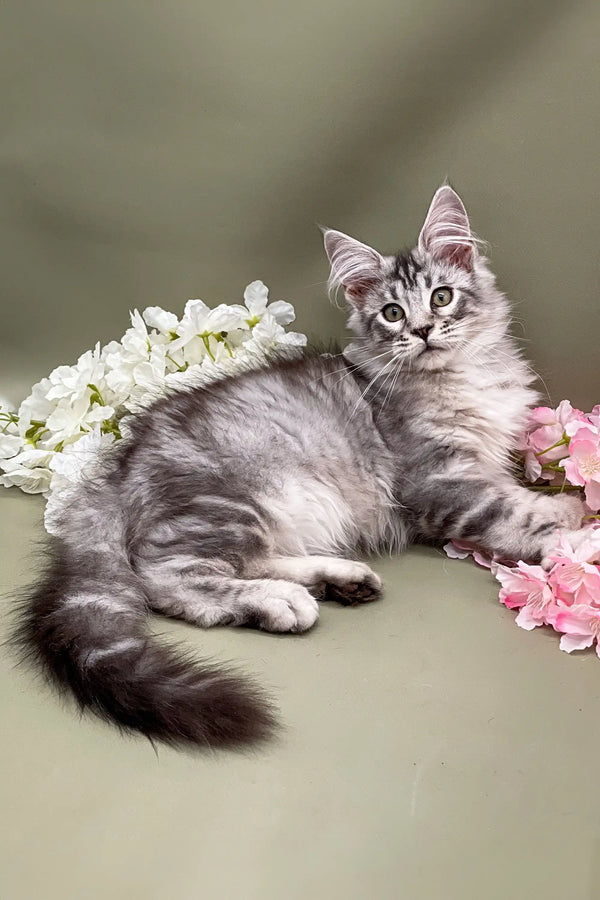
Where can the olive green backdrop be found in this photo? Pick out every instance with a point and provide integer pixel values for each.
(152, 151)
(156, 151)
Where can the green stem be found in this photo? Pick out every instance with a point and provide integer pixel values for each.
(35, 432)
(96, 396)
(564, 440)
(109, 426)
(177, 366)
(9, 419)
(205, 340)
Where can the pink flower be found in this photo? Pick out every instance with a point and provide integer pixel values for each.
(482, 558)
(526, 588)
(547, 443)
(584, 425)
(581, 627)
(461, 549)
(583, 465)
(576, 583)
(564, 412)
(458, 549)
(574, 578)
(594, 416)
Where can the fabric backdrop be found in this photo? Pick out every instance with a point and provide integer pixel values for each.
(151, 152)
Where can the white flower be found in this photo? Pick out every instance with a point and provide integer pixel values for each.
(73, 382)
(11, 441)
(164, 322)
(148, 379)
(36, 408)
(56, 435)
(70, 419)
(123, 357)
(10, 444)
(134, 346)
(256, 297)
(268, 334)
(28, 470)
(201, 329)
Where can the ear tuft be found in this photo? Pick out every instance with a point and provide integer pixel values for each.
(354, 266)
(446, 233)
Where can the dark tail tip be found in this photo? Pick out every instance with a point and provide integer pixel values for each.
(170, 697)
(148, 687)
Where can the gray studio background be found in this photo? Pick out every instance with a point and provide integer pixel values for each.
(151, 152)
(155, 151)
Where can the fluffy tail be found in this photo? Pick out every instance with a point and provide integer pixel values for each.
(85, 625)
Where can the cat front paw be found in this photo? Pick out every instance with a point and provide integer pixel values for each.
(570, 510)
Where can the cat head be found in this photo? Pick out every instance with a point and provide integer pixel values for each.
(431, 305)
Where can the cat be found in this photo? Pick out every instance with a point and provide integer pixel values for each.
(246, 501)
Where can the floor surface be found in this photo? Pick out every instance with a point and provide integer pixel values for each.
(432, 749)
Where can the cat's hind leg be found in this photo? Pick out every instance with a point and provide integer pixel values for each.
(193, 590)
(193, 567)
(328, 577)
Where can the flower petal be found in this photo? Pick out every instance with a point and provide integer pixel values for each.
(256, 296)
(163, 321)
(282, 312)
(455, 552)
(570, 642)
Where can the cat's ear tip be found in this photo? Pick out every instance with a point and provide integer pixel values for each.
(333, 239)
(446, 188)
(329, 235)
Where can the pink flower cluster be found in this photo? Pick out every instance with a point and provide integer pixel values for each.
(566, 597)
(562, 447)
(561, 451)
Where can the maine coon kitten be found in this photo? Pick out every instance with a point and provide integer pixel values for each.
(244, 502)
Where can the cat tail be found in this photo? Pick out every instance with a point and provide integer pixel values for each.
(85, 625)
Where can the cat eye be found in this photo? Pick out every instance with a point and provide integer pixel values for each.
(441, 296)
(392, 312)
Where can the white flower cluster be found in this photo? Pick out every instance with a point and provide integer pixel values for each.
(57, 432)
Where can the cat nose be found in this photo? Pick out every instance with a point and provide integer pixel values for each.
(423, 332)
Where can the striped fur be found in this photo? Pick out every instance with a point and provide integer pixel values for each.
(245, 501)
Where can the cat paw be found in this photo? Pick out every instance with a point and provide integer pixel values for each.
(287, 607)
(570, 510)
(349, 582)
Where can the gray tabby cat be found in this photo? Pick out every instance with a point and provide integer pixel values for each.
(244, 502)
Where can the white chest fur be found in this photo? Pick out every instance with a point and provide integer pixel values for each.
(483, 409)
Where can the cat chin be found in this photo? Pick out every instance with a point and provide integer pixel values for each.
(432, 358)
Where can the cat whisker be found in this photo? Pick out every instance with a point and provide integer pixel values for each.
(368, 387)
(349, 369)
(389, 375)
(395, 377)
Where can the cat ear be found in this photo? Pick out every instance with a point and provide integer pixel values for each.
(446, 233)
(354, 266)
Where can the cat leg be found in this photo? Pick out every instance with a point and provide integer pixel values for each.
(328, 578)
(505, 518)
(195, 590)
(191, 567)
